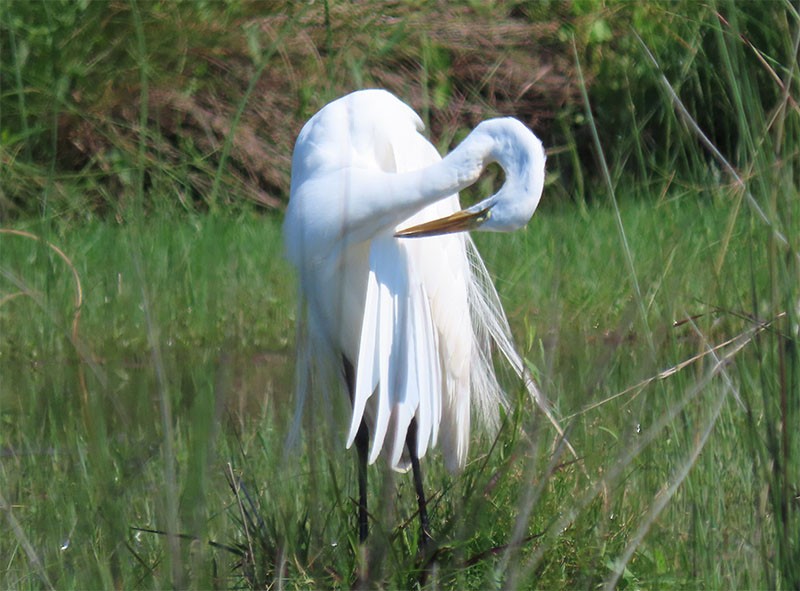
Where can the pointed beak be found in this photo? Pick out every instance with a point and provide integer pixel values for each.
(461, 221)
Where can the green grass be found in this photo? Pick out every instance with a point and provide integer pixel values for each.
(83, 467)
(146, 366)
(101, 443)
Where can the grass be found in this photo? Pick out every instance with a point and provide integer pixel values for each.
(658, 310)
(82, 475)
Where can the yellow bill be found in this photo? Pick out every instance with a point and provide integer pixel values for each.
(461, 221)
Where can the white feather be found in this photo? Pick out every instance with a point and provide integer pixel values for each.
(367, 375)
(386, 330)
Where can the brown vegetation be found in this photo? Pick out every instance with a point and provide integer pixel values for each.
(453, 64)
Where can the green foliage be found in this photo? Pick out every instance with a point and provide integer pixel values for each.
(689, 41)
(70, 129)
(203, 100)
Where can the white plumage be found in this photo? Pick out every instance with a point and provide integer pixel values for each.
(417, 318)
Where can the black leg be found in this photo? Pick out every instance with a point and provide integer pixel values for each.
(362, 445)
(411, 443)
(362, 442)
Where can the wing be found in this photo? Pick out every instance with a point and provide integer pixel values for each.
(417, 339)
(398, 373)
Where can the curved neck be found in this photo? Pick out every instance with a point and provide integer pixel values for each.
(379, 201)
(375, 201)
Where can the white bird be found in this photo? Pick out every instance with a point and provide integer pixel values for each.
(408, 325)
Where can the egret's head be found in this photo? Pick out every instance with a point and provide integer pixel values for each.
(521, 155)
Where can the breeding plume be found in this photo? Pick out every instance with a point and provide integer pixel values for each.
(395, 302)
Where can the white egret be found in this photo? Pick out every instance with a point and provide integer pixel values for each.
(408, 325)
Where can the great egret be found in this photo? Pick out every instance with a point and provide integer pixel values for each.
(408, 325)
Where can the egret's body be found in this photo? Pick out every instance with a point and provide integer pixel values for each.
(408, 324)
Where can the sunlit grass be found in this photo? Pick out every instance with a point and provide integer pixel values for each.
(89, 419)
(222, 303)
